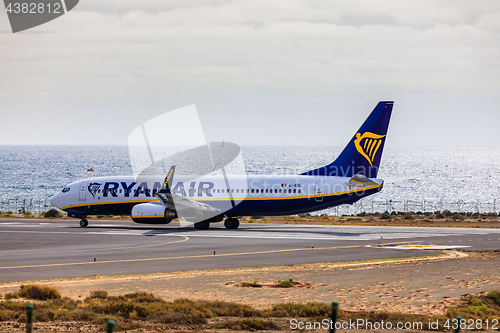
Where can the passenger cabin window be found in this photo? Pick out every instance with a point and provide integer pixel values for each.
(66, 189)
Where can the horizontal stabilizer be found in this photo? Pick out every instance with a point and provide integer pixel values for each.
(360, 181)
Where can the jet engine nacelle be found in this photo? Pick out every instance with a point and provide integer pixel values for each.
(153, 213)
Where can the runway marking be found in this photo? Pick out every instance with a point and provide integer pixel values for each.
(191, 257)
(99, 250)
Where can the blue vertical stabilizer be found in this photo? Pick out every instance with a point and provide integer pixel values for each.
(363, 153)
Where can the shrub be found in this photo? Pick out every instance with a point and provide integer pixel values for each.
(312, 309)
(479, 310)
(494, 295)
(408, 217)
(385, 216)
(52, 213)
(5, 315)
(99, 294)
(457, 217)
(285, 283)
(15, 294)
(248, 324)
(34, 291)
(229, 309)
(27, 213)
(8, 213)
(440, 216)
(474, 301)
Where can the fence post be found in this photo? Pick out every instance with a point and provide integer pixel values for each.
(110, 326)
(457, 330)
(29, 318)
(335, 309)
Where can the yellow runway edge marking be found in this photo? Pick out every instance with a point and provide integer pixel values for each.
(100, 250)
(191, 257)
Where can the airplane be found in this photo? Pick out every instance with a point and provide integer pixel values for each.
(211, 198)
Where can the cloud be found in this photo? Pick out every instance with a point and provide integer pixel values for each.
(108, 56)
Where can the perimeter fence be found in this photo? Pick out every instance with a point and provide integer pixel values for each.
(25, 205)
(414, 206)
(367, 205)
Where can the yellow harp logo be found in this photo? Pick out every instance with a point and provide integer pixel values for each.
(168, 177)
(368, 144)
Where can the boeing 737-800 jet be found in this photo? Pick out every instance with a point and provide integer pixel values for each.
(212, 198)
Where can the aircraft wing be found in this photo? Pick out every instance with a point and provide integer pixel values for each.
(183, 203)
(184, 207)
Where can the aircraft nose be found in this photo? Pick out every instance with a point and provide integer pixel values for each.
(54, 201)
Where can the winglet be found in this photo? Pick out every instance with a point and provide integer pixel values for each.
(167, 184)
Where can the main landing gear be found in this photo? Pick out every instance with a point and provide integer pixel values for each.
(229, 223)
(232, 223)
(84, 223)
(203, 225)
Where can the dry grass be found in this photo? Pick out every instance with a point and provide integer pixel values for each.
(483, 306)
(141, 309)
(248, 324)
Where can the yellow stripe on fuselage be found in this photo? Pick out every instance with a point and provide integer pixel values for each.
(146, 216)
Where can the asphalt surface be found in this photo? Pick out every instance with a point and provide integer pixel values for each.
(47, 249)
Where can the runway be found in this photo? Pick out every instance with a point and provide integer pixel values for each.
(45, 249)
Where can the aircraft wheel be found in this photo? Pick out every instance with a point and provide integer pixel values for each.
(84, 223)
(231, 223)
(203, 225)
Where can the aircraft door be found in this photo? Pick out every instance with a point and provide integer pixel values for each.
(318, 192)
(83, 191)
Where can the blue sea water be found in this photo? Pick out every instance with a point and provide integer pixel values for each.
(432, 178)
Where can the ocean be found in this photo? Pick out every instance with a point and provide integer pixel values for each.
(462, 179)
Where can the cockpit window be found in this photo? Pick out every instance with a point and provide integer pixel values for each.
(66, 189)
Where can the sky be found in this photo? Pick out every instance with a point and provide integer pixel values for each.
(291, 72)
